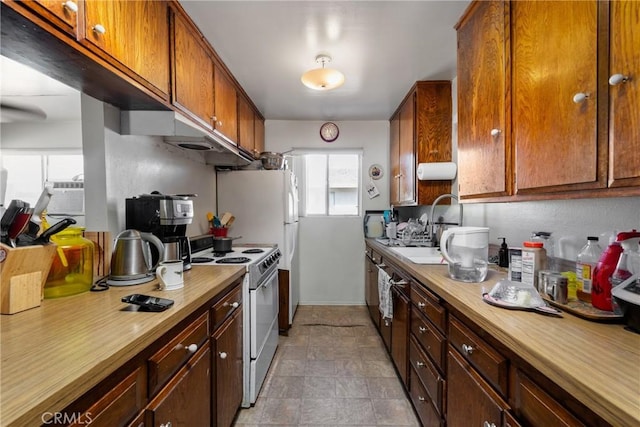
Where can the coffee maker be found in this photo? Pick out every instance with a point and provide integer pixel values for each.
(165, 216)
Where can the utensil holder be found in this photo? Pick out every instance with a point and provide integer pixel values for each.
(23, 273)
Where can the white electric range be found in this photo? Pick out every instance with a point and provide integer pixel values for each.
(260, 316)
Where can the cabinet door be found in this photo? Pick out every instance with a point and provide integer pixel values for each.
(227, 347)
(193, 73)
(135, 33)
(400, 333)
(624, 98)
(371, 291)
(225, 101)
(185, 400)
(555, 137)
(483, 127)
(394, 157)
(259, 135)
(246, 126)
(407, 157)
(470, 400)
(63, 14)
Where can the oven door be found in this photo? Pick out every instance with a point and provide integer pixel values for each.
(264, 310)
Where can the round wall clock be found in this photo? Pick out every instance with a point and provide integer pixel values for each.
(329, 132)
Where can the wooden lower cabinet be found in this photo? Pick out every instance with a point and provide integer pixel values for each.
(422, 403)
(371, 295)
(183, 401)
(470, 399)
(227, 364)
(400, 332)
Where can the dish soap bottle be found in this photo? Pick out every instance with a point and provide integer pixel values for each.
(585, 264)
(503, 253)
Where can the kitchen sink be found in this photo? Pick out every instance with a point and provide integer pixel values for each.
(419, 255)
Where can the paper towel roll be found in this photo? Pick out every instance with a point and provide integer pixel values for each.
(436, 171)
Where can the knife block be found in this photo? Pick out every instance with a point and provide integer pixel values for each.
(23, 273)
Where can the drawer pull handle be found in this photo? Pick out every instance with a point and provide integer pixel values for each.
(222, 355)
(421, 399)
(422, 329)
(488, 424)
(382, 265)
(234, 304)
(467, 349)
(421, 305)
(616, 79)
(99, 29)
(419, 364)
(70, 5)
(400, 282)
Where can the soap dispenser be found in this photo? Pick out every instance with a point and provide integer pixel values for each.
(503, 253)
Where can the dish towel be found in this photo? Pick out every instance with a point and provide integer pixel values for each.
(384, 294)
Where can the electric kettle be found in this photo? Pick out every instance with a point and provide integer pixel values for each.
(466, 250)
(131, 259)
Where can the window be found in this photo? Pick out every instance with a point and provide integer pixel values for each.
(331, 184)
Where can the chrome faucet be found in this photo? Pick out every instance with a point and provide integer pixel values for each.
(432, 226)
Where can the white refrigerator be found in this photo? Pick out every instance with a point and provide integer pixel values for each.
(265, 206)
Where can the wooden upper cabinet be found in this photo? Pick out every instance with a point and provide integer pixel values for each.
(135, 33)
(63, 14)
(624, 96)
(420, 131)
(225, 105)
(483, 107)
(555, 96)
(193, 73)
(259, 135)
(246, 125)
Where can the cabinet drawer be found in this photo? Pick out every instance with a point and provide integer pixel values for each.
(491, 364)
(535, 407)
(227, 305)
(428, 305)
(431, 379)
(420, 398)
(166, 361)
(427, 335)
(119, 405)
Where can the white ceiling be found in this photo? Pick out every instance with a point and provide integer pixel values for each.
(382, 47)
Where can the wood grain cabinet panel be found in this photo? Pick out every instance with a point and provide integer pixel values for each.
(422, 403)
(192, 73)
(372, 296)
(185, 400)
(259, 135)
(428, 304)
(135, 33)
(246, 126)
(227, 351)
(222, 309)
(555, 132)
(429, 337)
(483, 105)
(469, 397)
(62, 14)
(624, 97)
(225, 105)
(400, 332)
(420, 132)
(428, 375)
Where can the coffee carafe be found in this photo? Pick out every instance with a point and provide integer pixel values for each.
(466, 250)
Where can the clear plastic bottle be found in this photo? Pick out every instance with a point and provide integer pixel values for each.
(585, 263)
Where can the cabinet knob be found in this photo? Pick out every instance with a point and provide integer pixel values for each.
(99, 29)
(382, 265)
(398, 176)
(495, 132)
(616, 79)
(421, 305)
(70, 5)
(166, 425)
(222, 355)
(488, 424)
(422, 329)
(467, 349)
(234, 304)
(421, 399)
(401, 283)
(419, 364)
(191, 348)
(580, 97)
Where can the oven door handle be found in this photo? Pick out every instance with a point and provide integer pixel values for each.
(267, 282)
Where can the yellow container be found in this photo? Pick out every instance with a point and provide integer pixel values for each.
(72, 268)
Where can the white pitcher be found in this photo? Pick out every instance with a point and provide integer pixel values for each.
(466, 249)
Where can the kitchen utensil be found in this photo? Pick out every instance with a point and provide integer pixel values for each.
(225, 219)
(131, 259)
(19, 224)
(466, 249)
(55, 228)
(9, 216)
(271, 160)
(223, 244)
(42, 203)
(230, 221)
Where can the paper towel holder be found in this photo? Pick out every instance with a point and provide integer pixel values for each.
(436, 171)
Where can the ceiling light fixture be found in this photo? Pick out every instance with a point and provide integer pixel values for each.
(323, 78)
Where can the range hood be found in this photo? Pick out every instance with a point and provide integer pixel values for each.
(176, 129)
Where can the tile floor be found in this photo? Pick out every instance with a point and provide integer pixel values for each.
(332, 369)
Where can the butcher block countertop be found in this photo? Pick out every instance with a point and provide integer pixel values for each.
(53, 354)
(597, 363)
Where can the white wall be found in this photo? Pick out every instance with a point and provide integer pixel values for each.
(331, 250)
(41, 135)
(118, 167)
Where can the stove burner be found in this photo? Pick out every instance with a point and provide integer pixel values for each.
(233, 260)
(253, 251)
(201, 259)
